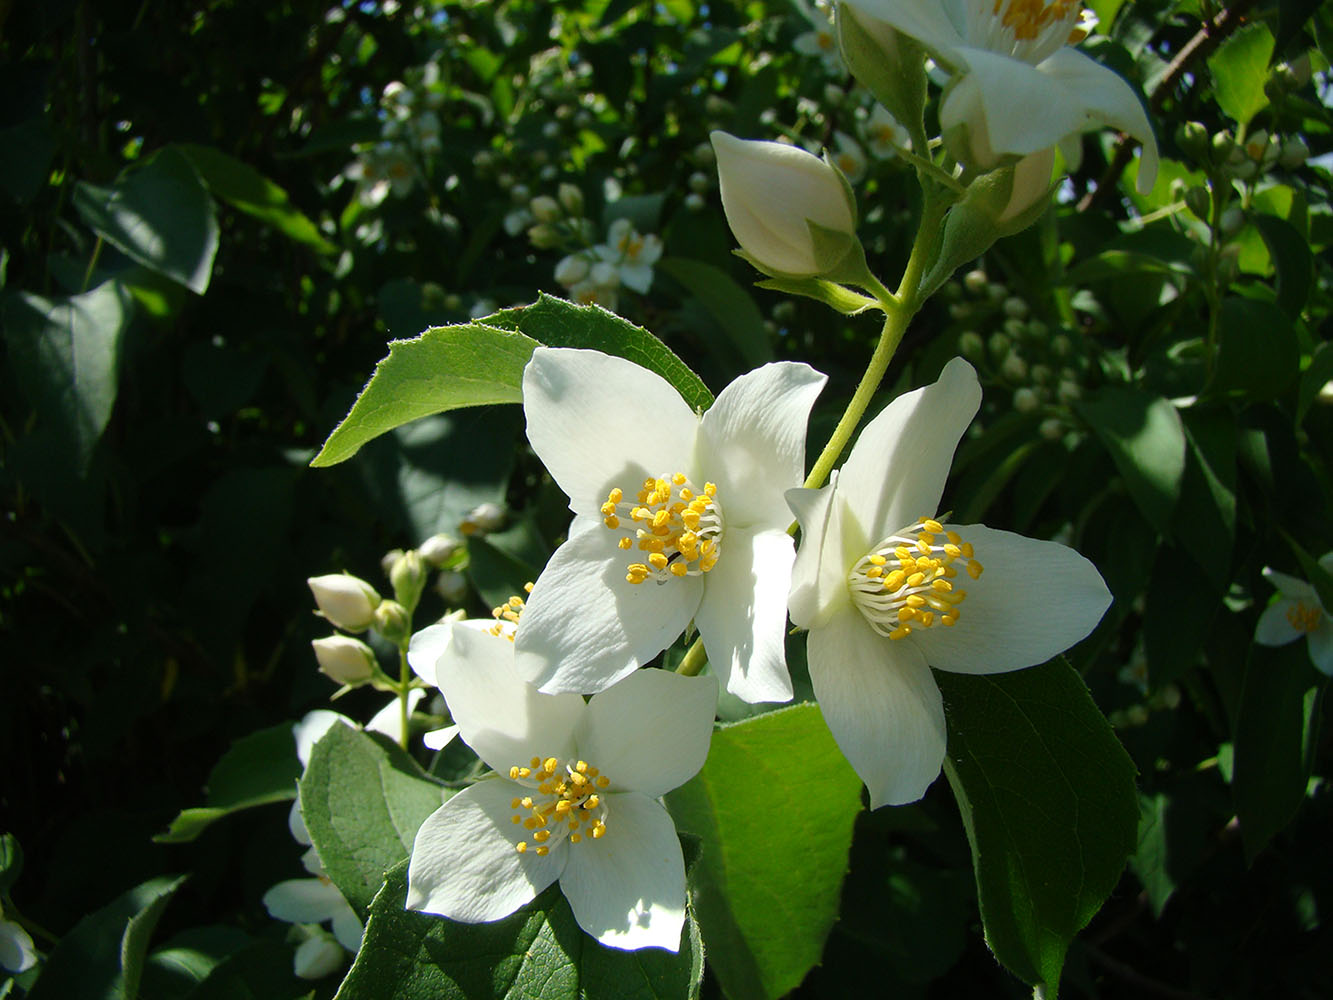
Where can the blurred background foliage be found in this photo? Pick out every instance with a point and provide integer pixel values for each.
(214, 215)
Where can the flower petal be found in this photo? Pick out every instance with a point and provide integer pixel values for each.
(318, 956)
(598, 421)
(438, 739)
(505, 720)
(752, 441)
(882, 706)
(389, 719)
(17, 953)
(897, 468)
(1274, 628)
(819, 575)
(1034, 600)
(1321, 648)
(303, 901)
(425, 649)
(628, 888)
(585, 626)
(347, 929)
(743, 615)
(464, 865)
(312, 727)
(650, 732)
(928, 23)
(1290, 586)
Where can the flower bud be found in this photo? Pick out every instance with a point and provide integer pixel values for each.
(694, 201)
(1040, 374)
(999, 347)
(1199, 201)
(452, 586)
(571, 198)
(482, 518)
(544, 236)
(1015, 369)
(439, 549)
(408, 577)
(1294, 153)
(1037, 330)
(975, 281)
(1052, 429)
(346, 601)
(1015, 307)
(544, 208)
(699, 181)
(1224, 144)
(344, 660)
(1025, 400)
(388, 560)
(1061, 345)
(792, 213)
(1068, 392)
(393, 621)
(971, 346)
(318, 956)
(1192, 137)
(1015, 328)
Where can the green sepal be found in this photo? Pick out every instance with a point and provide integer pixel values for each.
(892, 67)
(835, 296)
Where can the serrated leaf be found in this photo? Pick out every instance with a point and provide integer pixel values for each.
(66, 356)
(538, 952)
(766, 901)
(363, 799)
(1048, 801)
(730, 306)
(1146, 440)
(102, 958)
(158, 214)
(246, 189)
(257, 769)
(1240, 69)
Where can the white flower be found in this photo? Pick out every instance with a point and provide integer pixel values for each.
(632, 254)
(678, 516)
(848, 157)
(1016, 86)
(572, 269)
(593, 293)
(1298, 612)
(579, 803)
(883, 135)
(17, 953)
(819, 41)
(772, 194)
(887, 591)
(345, 600)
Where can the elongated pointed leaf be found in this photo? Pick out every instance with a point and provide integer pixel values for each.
(1146, 440)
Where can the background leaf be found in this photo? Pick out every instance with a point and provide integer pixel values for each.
(774, 805)
(1240, 68)
(1146, 440)
(1048, 799)
(738, 319)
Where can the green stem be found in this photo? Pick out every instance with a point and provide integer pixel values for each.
(694, 660)
(92, 264)
(404, 687)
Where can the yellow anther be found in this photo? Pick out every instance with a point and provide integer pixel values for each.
(657, 560)
(541, 836)
(598, 829)
(575, 838)
(679, 569)
(535, 762)
(524, 772)
(616, 495)
(952, 551)
(513, 773)
(953, 537)
(925, 541)
(550, 764)
(543, 851)
(974, 569)
(916, 579)
(521, 847)
(611, 522)
(877, 560)
(875, 572)
(906, 614)
(608, 508)
(603, 781)
(933, 526)
(926, 618)
(949, 619)
(679, 479)
(915, 601)
(894, 580)
(686, 494)
(592, 802)
(901, 632)
(563, 806)
(966, 550)
(577, 779)
(526, 802)
(532, 822)
(626, 543)
(943, 586)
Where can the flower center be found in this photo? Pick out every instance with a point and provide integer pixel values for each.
(1304, 617)
(1029, 18)
(568, 803)
(676, 524)
(907, 582)
(507, 615)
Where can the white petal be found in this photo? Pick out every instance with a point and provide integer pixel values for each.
(896, 471)
(317, 957)
(504, 719)
(1321, 648)
(303, 901)
(743, 615)
(585, 626)
(16, 949)
(650, 732)
(1290, 586)
(997, 93)
(598, 421)
(389, 719)
(464, 863)
(882, 706)
(928, 23)
(438, 739)
(425, 649)
(636, 276)
(752, 441)
(1274, 628)
(1034, 600)
(311, 863)
(628, 888)
(819, 575)
(312, 727)
(347, 929)
(296, 823)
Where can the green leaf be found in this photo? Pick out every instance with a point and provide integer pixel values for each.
(538, 952)
(476, 363)
(257, 769)
(767, 897)
(1205, 519)
(1258, 354)
(362, 800)
(11, 862)
(1316, 375)
(1276, 732)
(1291, 258)
(187, 960)
(158, 214)
(736, 315)
(1146, 440)
(102, 958)
(261, 971)
(446, 367)
(1240, 70)
(66, 356)
(1048, 800)
(246, 189)
(1185, 603)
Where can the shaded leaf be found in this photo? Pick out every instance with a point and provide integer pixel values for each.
(1146, 440)
(1258, 354)
(1291, 258)
(736, 315)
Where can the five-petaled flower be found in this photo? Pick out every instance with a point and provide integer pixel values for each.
(575, 797)
(678, 516)
(887, 590)
(1009, 59)
(1298, 612)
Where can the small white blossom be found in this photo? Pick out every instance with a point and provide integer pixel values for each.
(1298, 612)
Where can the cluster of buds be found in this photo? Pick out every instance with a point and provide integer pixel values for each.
(409, 137)
(1245, 160)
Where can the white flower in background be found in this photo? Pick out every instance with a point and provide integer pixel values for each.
(594, 292)
(573, 269)
(517, 220)
(632, 254)
(819, 41)
(772, 194)
(849, 157)
(883, 135)
(17, 953)
(574, 799)
(677, 516)
(482, 519)
(887, 591)
(1016, 87)
(1298, 612)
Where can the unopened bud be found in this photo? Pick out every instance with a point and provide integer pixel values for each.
(346, 601)
(1015, 369)
(544, 236)
(1294, 153)
(1068, 392)
(1052, 429)
(1224, 144)
(393, 621)
(1015, 307)
(1199, 201)
(408, 577)
(1015, 328)
(483, 518)
(544, 208)
(452, 586)
(975, 281)
(1192, 137)
(699, 181)
(1025, 400)
(571, 199)
(389, 559)
(344, 660)
(439, 549)
(971, 346)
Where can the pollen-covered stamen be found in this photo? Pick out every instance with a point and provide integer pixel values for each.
(1029, 30)
(908, 581)
(509, 612)
(674, 526)
(1305, 617)
(569, 802)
